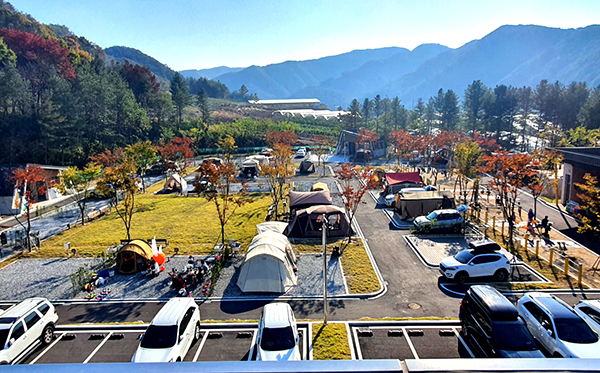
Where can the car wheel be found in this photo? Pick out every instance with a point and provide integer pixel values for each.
(178, 360)
(197, 332)
(461, 277)
(47, 335)
(557, 355)
(501, 275)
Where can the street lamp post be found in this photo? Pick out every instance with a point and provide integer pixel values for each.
(324, 229)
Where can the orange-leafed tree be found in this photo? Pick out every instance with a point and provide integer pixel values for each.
(355, 182)
(221, 193)
(401, 144)
(30, 182)
(108, 158)
(509, 174)
(176, 150)
(590, 205)
(278, 172)
(288, 138)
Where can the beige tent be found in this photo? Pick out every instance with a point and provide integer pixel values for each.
(273, 226)
(413, 204)
(270, 236)
(267, 267)
(175, 183)
(131, 258)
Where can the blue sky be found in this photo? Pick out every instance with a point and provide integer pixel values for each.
(196, 34)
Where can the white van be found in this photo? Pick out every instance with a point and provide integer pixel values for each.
(23, 325)
(171, 333)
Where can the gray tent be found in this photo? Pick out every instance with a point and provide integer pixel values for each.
(175, 183)
(413, 204)
(307, 166)
(302, 200)
(308, 222)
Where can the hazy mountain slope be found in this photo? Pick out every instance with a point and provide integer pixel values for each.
(512, 55)
(209, 73)
(283, 79)
(120, 54)
(373, 74)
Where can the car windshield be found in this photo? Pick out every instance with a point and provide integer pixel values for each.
(277, 339)
(432, 216)
(513, 336)
(7, 320)
(159, 336)
(575, 331)
(464, 256)
(3, 337)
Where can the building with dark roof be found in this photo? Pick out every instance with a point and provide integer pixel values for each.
(576, 163)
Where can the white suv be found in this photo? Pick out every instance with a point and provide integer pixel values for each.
(556, 326)
(23, 325)
(450, 219)
(277, 334)
(171, 333)
(476, 262)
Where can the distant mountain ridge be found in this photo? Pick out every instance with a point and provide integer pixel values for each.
(120, 54)
(209, 73)
(520, 55)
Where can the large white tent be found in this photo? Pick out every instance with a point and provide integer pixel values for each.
(273, 226)
(268, 266)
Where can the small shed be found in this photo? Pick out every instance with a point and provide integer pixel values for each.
(132, 257)
(308, 222)
(176, 183)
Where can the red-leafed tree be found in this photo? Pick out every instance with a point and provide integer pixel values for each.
(355, 183)
(509, 174)
(366, 138)
(141, 81)
(401, 144)
(30, 182)
(487, 143)
(108, 158)
(288, 138)
(176, 150)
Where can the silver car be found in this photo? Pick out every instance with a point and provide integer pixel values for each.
(449, 219)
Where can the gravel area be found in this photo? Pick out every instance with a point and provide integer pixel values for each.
(310, 278)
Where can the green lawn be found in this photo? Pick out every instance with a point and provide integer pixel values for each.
(189, 223)
(330, 342)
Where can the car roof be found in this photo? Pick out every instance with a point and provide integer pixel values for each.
(484, 246)
(500, 308)
(595, 303)
(22, 308)
(173, 311)
(276, 315)
(555, 307)
(446, 211)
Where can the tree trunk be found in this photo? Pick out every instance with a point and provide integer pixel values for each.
(82, 210)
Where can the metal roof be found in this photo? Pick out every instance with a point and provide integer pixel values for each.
(286, 101)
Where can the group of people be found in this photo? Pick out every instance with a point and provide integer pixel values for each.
(532, 223)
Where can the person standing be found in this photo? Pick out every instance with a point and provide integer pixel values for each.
(531, 215)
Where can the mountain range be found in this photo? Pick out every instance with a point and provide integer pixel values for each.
(519, 55)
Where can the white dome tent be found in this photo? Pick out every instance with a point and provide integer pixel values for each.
(268, 266)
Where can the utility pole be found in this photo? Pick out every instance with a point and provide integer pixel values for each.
(324, 269)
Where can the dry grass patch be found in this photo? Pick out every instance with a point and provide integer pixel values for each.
(330, 342)
(189, 223)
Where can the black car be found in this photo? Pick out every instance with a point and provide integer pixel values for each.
(492, 327)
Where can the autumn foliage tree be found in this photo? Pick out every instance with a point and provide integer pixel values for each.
(176, 150)
(401, 144)
(510, 172)
(466, 158)
(108, 158)
(355, 182)
(590, 205)
(77, 183)
(222, 193)
(143, 154)
(30, 181)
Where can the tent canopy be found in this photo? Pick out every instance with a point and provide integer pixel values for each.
(262, 159)
(267, 267)
(402, 177)
(318, 187)
(299, 200)
(309, 222)
(307, 166)
(176, 183)
(272, 226)
(131, 258)
(249, 162)
(413, 204)
(282, 241)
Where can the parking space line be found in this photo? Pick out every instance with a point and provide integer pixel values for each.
(253, 345)
(97, 348)
(357, 344)
(204, 337)
(47, 349)
(463, 342)
(304, 342)
(412, 348)
(350, 341)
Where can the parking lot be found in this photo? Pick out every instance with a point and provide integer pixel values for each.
(409, 341)
(104, 345)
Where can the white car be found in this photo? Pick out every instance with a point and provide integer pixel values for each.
(556, 326)
(450, 219)
(476, 263)
(171, 333)
(589, 310)
(23, 325)
(301, 153)
(277, 334)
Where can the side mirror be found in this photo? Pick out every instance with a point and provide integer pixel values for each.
(471, 264)
(550, 333)
(181, 338)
